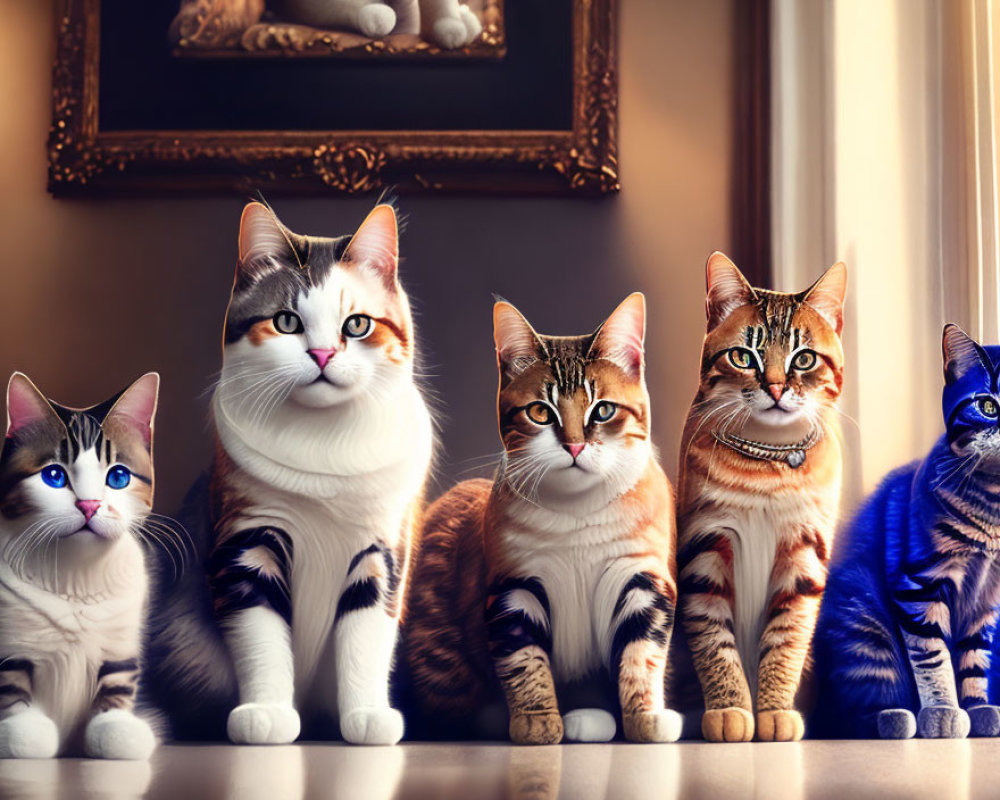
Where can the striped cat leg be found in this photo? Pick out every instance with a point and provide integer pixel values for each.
(520, 640)
(796, 587)
(367, 620)
(925, 620)
(249, 574)
(25, 732)
(705, 563)
(114, 731)
(974, 652)
(641, 624)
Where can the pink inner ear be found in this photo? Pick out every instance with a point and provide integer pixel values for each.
(25, 405)
(377, 242)
(621, 336)
(137, 404)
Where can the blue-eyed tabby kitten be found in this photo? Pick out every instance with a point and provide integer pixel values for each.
(75, 489)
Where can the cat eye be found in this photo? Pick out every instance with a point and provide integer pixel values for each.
(804, 360)
(539, 413)
(358, 326)
(287, 322)
(989, 407)
(740, 357)
(603, 411)
(119, 477)
(55, 476)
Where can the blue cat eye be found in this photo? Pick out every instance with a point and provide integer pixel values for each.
(119, 477)
(55, 476)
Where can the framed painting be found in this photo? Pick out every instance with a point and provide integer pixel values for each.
(533, 112)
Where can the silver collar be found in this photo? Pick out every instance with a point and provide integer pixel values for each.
(792, 454)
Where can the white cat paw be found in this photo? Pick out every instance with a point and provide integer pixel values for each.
(589, 725)
(450, 32)
(653, 726)
(372, 726)
(473, 27)
(263, 723)
(118, 734)
(376, 20)
(29, 734)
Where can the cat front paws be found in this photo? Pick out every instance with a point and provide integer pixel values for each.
(118, 734)
(984, 721)
(732, 724)
(536, 728)
(780, 725)
(376, 20)
(943, 722)
(473, 27)
(589, 725)
(450, 32)
(653, 726)
(372, 726)
(263, 723)
(896, 723)
(29, 734)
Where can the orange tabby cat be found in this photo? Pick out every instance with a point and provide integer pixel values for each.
(563, 567)
(759, 489)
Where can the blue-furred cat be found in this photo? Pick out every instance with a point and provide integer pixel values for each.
(906, 632)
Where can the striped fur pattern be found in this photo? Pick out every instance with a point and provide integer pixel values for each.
(906, 635)
(755, 534)
(73, 580)
(568, 555)
(304, 525)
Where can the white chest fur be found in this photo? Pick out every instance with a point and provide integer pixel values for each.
(68, 637)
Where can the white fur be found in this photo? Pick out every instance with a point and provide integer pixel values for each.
(336, 465)
(589, 725)
(119, 734)
(28, 734)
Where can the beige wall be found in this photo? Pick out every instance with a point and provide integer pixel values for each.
(95, 292)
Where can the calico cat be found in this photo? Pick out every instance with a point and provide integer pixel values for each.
(905, 637)
(448, 23)
(323, 447)
(563, 566)
(760, 477)
(76, 488)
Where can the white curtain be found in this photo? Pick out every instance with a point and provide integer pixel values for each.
(884, 154)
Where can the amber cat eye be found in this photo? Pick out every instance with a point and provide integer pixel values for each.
(539, 413)
(804, 360)
(741, 358)
(358, 326)
(989, 407)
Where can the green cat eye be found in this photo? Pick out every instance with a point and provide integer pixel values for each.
(287, 322)
(989, 407)
(603, 411)
(740, 357)
(539, 413)
(358, 326)
(804, 360)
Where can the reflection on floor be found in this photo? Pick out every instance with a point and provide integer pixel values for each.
(851, 770)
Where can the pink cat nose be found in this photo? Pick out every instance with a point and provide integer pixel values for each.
(322, 355)
(88, 507)
(574, 448)
(776, 390)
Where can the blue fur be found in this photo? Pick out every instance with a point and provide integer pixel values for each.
(882, 573)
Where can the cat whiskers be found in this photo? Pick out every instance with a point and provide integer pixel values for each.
(168, 534)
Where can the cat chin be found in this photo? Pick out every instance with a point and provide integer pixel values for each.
(323, 394)
(778, 418)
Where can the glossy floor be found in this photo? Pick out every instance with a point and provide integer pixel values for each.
(851, 770)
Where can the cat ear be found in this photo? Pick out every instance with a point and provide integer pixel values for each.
(620, 338)
(517, 344)
(961, 353)
(263, 240)
(376, 243)
(136, 406)
(827, 295)
(26, 405)
(727, 289)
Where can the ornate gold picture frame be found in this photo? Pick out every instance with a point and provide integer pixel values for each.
(113, 132)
